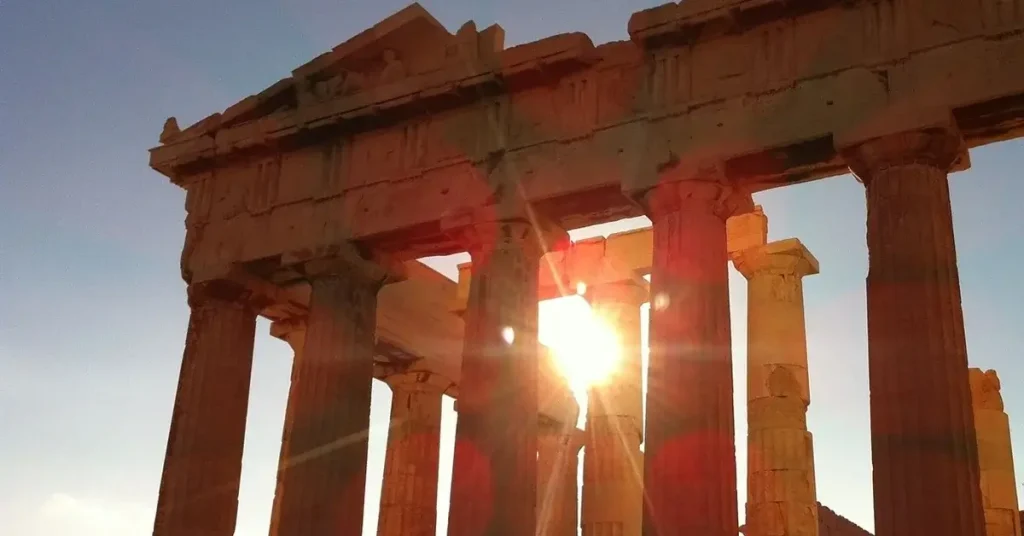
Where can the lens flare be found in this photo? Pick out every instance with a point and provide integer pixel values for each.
(586, 348)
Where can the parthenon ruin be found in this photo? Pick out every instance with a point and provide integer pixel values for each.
(310, 202)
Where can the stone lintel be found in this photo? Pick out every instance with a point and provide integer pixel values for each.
(788, 256)
(562, 271)
(629, 293)
(746, 231)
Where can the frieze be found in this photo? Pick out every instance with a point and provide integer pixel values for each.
(865, 67)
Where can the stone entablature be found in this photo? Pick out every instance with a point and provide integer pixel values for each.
(574, 125)
(620, 257)
(585, 264)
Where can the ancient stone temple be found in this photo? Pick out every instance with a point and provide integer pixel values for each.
(308, 203)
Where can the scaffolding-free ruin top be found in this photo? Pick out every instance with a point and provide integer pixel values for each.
(382, 138)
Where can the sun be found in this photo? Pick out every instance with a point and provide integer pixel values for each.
(586, 348)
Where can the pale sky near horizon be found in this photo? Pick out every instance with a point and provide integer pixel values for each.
(94, 313)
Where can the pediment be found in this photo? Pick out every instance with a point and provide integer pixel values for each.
(413, 35)
(405, 45)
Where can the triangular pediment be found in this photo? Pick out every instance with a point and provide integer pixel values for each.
(407, 44)
(412, 34)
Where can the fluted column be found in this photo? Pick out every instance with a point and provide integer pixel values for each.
(292, 332)
(922, 442)
(612, 468)
(322, 476)
(690, 463)
(408, 499)
(494, 480)
(203, 463)
(781, 497)
(558, 448)
(995, 455)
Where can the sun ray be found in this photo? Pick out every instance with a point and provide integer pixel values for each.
(586, 348)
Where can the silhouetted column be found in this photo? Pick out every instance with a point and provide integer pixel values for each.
(781, 496)
(995, 455)
(494, 480)
(690, 462)
(612, 468)
(558, 448)
(408, 498)
(322, 476)
(203, 463)
(922, 429)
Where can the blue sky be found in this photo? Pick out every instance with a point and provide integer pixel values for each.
(94, 314)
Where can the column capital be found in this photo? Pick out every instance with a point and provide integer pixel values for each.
(346, 259)
(490, 228)
(419, 381)
(939, 147)
(223, 291)
(623, 293)
(291, 331)
(716, 195)
(783, 257)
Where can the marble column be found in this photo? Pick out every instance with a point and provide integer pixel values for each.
(690, 462)
(612, 467)
(408, 499)
(293, 332)
(558, 448)
(781, 496)
(203, 463)
(995, 455)
(923, 443)
(494, 474)
(322, 473)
